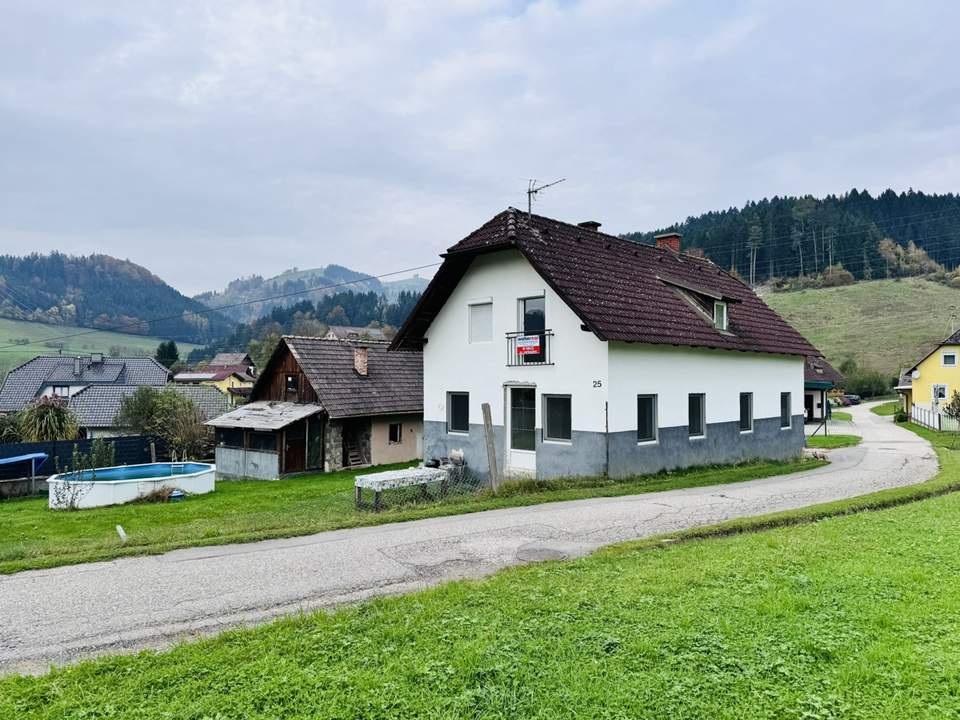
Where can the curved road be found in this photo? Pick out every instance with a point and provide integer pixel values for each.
(62, 614)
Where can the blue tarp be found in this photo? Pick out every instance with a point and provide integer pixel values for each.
(31, 457)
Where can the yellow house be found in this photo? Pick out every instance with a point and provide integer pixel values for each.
(930, 384)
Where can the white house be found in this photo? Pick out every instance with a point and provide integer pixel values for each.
(598, 355)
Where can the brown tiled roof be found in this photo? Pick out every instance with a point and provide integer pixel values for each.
(817, 369)
(619, 289)
(393, 383)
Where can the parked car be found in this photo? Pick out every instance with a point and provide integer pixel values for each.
(852, 399)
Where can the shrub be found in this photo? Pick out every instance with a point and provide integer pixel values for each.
(900, 416)
(867, 383)
(48, 418)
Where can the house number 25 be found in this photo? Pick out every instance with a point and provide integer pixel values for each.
(598, 383)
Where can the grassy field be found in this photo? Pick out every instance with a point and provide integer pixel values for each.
(830, 442)
(882, 324)
(888, 408)
(17, 332)
(841, 415)
(31, 536)
(854, 616)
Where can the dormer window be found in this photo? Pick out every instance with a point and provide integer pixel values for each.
(720, 315)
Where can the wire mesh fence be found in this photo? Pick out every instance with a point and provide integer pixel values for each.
(450, 478)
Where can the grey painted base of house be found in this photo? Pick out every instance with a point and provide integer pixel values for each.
(619, 454)
(722, 444)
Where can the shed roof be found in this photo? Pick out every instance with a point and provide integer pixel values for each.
(620, 290)
(265, 415)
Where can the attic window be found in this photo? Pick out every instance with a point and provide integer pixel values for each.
(292, 384)
(720, 315)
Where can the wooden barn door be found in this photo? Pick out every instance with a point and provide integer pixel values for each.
(295, 448)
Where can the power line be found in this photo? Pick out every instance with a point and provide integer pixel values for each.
(205, 311)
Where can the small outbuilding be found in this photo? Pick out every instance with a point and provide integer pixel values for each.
(323, 405)
(819, 377)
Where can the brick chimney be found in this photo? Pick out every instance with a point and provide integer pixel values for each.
(360, 360)
(589, 225)
(669, 241)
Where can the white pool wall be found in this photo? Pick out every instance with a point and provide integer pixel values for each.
(118, 492)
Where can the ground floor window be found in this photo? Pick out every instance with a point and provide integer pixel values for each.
(557, 421)
(746, 412)
(396, 433)
(784, 410)
(646, 418)
(229, 437)
(458, 412)
(696, 407)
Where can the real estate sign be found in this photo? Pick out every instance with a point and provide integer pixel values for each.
(528, 345)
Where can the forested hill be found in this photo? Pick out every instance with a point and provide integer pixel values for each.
(785, 237)
(100, 291)
(254, 291)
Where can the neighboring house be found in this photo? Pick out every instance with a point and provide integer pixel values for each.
(97, 406)
(324, 405)
(233, 374)
(66, 377)
(819, 377)
(350, 332)
(600, 356)
(233, 382)
(930, 383)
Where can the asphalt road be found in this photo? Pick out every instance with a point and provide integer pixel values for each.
(59, 615)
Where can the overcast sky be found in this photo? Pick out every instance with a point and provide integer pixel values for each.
(210, 140)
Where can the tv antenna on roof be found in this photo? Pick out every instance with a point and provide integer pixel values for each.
(533, 189)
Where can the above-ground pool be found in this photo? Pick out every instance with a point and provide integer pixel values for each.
(125, 483)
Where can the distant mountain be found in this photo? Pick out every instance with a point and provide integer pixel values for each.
(788, 237)
(393, 288)
(293, 283)
(103, 292)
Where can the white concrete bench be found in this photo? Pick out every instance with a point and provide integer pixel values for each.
(393, 479)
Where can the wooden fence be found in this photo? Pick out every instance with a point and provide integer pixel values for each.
(132, 450)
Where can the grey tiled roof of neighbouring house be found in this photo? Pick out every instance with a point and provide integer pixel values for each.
(228, 359)
(210, 400)
(352, 332)
(97, 406)
(24, 383)
(906, 380)
(393, 383)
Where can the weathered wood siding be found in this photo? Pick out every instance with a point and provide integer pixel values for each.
(272, 384)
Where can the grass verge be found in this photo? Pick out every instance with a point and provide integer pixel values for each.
(841, 415)
(830, 442)
(32, 536)
(853, 616)
(887, 408)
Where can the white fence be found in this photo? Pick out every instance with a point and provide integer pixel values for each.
(933, 419)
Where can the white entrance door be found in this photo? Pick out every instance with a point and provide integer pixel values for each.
(521, 431)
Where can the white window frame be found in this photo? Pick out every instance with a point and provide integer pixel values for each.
(789, 411)
(542, 295)
(703, 416)
(933, 390)
(64, 388)
(656, 419)
(544, 399)
(450, 413)
(945, 355)
(470, 305)
(749, 429)
(720, 313)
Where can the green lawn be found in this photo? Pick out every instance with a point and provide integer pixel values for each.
(888, 408)
(841, 415)
(829, 442)
(854, 321)
(32, 536)
(854, 616)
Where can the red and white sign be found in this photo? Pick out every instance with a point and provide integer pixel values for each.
(528, 345)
